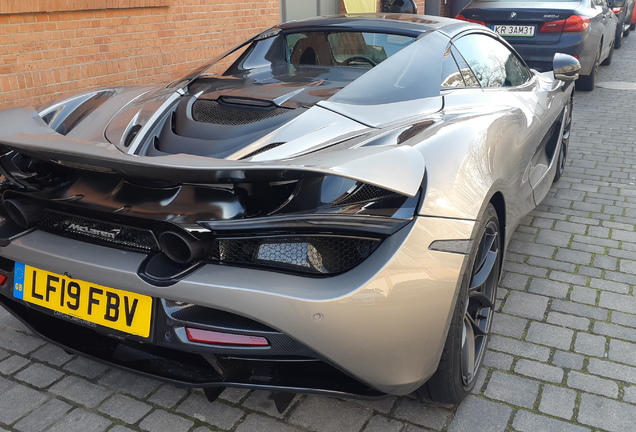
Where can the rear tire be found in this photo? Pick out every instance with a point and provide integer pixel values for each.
(608, 60)
(618, 42)
(588, 82)
(470, 325)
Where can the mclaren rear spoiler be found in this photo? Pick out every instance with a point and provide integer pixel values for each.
(23, 130)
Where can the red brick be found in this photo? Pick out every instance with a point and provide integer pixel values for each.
(61, 51)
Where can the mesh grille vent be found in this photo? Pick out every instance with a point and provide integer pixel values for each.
(364, 193)
(262, 150)
(208, 111)
(132, 133)
(317, 255)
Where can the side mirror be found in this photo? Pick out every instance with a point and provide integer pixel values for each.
(565, 67)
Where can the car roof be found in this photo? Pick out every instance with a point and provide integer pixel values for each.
(406, 24)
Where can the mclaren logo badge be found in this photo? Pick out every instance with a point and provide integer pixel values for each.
(86, 230)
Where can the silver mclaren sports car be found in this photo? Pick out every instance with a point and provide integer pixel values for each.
(324, 209)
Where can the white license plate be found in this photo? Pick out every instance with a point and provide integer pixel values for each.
(514, 30)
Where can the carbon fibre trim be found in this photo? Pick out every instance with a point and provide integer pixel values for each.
(97, 231)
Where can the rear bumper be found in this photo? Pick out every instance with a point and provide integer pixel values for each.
(376, 329)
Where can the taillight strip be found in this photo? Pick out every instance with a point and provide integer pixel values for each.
(218, 338)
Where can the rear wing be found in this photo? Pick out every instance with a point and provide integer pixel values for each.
(23, 130)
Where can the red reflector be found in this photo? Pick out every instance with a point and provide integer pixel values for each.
(616, 10)
(463, 18)
(3, 279)
(218, 338)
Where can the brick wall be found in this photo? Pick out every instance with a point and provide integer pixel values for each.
(445, 9)
(48, 51)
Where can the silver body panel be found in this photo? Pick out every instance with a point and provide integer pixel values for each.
(416, 281)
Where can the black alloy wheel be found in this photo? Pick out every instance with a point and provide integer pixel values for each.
(470, 326)
(618, 41)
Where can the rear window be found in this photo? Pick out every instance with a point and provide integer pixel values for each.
(359, 49)
(413, 73)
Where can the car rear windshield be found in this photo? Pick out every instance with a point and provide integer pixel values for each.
(360, 49)
(412, 73)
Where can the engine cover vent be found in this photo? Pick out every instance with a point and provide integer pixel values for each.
(131, 135)
(261, 150)
(233, 114)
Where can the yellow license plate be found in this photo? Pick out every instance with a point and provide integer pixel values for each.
(114, 308)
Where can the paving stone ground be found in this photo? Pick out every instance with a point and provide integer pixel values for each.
(562, 357)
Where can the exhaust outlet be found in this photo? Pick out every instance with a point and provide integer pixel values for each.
(24, 212)
(182, 248)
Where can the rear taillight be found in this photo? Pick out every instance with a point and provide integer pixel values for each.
(575, 23)
(463, 18)
(616, 10)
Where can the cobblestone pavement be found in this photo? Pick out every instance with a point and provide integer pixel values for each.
(562, 358)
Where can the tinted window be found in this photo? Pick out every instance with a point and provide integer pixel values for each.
(343, 48)
(493, 64)
(412, 73)
(451, 76)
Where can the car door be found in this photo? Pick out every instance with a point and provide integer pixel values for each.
(530, 98)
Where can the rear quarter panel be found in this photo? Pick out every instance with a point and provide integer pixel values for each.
(477, 150)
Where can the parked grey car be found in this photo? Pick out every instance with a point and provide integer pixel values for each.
(325, 209)
(623, 9)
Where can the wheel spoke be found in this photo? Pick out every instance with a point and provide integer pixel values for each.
(468, 351)
(480, 278)
(476, 329)
(485, 245)
(480, 299)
